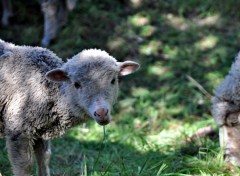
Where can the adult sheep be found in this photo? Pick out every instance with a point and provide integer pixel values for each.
(55, 16)
(226, 112)
(41, 97)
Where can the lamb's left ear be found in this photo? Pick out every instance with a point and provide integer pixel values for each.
(57, 75)
(127, 67)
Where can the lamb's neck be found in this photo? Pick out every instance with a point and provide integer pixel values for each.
(68, 113)
(62, 116)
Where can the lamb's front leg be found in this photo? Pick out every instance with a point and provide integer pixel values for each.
(20, 154)
(42, 152)
(229, 134)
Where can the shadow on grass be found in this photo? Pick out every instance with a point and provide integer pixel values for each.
(72, 157)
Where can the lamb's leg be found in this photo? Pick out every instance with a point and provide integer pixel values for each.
(20, 154)
(230, 138)
(7, 12)
(42, 152)
(49, 9)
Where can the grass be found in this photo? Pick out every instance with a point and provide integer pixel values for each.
(159, 108)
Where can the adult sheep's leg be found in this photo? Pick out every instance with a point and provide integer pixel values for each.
(64, 7)
(226, 115)
(220, 110)
(42, 152)
(62, 14)
(229, 134)
(71, 4)
(7, 12)
(49, 9)
(20, 154)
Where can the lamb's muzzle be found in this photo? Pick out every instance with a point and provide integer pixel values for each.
(101, 116)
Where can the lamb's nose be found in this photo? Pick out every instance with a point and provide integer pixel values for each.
(101, 113)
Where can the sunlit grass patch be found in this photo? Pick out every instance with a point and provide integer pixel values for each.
(207, 42)
(212, 20)
(148, 31)
(176, 21)
(214, 78)
(116, 43)
(157, 69)
(151, 48)
(139, 20)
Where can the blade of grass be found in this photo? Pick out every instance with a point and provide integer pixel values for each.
(161, 169)
(143, 166)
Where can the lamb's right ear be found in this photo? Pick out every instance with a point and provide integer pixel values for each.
(57, 75)
(127, 67)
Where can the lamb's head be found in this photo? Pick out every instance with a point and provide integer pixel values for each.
(90, 79)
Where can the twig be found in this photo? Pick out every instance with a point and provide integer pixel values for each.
(199, 86)
(208, 131)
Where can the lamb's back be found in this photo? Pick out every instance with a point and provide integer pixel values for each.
(25, 94)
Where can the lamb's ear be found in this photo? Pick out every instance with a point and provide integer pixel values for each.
(57, 75)
(127, 67)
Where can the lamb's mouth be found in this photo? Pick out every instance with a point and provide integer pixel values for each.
(103, 122)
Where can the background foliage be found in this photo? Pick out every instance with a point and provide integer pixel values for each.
(159, 107)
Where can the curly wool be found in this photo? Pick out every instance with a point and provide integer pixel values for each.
(227, 94)
(31, 105)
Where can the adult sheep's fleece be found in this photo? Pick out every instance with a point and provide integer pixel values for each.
(41, 97)
(226, 112)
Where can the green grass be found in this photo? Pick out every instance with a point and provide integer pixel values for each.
(159, 108)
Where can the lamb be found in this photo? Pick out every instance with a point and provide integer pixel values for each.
(55, 16)
(41, 97)
(226, 112)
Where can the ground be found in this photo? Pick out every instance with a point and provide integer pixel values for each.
(185, 49)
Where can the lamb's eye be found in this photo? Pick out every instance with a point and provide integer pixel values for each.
(113, 81)
(77, 85)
